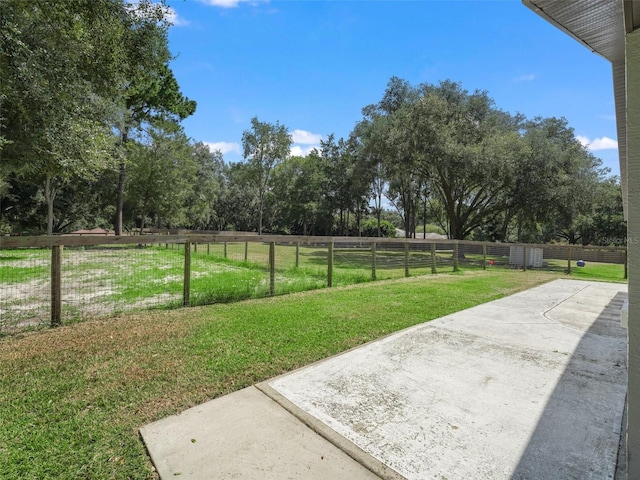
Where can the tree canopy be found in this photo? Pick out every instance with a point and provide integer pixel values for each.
(71, 73)
(265, 145)
(485, 173)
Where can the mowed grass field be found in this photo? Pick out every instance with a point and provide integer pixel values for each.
(108, 280)
(73, 398)
(99, 282)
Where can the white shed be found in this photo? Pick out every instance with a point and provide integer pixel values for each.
(534, 256)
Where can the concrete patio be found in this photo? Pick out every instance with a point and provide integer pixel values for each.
(531, 386)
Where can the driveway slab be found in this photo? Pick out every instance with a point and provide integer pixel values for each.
(531, 386)
(244, 435)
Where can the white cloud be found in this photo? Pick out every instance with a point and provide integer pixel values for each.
(602, 143)
(298, 151)
(525, 78)
(583, 140)
(305, 138)
(230, 3)
(225, 147)
(172, 17)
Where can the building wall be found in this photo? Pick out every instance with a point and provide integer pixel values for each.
(632, 53)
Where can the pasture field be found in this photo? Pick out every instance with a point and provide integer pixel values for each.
(107, 280)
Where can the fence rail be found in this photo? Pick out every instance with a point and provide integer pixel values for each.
(86, 276)
(230, 237)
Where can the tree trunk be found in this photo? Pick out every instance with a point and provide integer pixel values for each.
(260, 208)
(505, 226)
(379, 208)
(142, 217)
(424, 218)
(454, 230)
(121, 180)
(49, 196)
(414, 217)
(120, 200)
(346, 228)
(358, 231)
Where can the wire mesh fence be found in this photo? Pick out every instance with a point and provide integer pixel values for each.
(105, 279)
(52, 280)
(25, 287)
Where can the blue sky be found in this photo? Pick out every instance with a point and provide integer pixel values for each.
(313, 65)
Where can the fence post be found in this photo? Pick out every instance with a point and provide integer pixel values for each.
(297, 254)
(569, 260)
(186, 289)
(484, 256)
(195, 248)
(433, 258)
(455, 256)
(272, 268)
(406, 258)
(246, 251)
(225, 250)
(373, 260)
(56, 285)
(524, 258)
(329, 264)
(208, 248)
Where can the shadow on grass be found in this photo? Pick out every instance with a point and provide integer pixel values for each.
(361, 259)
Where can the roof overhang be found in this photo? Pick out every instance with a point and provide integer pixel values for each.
(601, 26)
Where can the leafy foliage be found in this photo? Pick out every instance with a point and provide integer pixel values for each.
(370, 228)
(264, 145)
(71, 74)
(481, 171)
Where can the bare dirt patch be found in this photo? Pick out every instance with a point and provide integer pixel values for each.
(96, 337)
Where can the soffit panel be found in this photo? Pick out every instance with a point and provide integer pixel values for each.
(598, 24)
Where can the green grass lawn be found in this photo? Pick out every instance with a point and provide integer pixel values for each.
(72, 398)
(602, 272)
(18, 266)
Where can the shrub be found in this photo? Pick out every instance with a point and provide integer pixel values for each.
(370, 228)
(431, 228)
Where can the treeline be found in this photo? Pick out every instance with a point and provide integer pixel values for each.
(482, 173)
(84, 84)
(90, 136)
